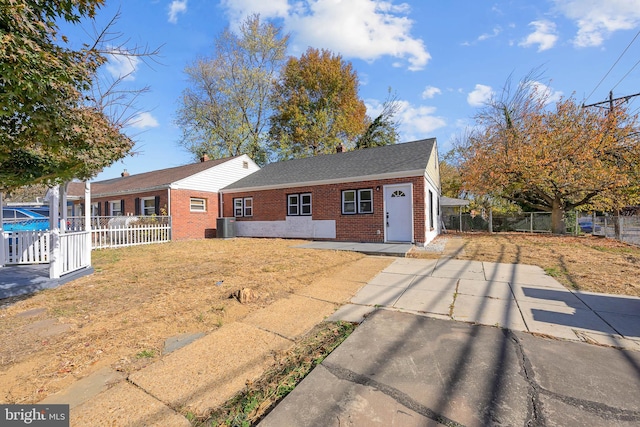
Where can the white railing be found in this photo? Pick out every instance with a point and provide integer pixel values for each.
(26, 247)
(74, 253)
(141, 233)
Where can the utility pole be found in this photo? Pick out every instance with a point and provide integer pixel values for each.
(617, 223)
(611, 100)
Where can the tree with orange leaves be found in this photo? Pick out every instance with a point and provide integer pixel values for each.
(552, 159)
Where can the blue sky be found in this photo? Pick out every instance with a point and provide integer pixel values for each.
(443, 59)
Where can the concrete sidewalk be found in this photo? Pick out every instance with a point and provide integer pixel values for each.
(513, 296)
(408, 364)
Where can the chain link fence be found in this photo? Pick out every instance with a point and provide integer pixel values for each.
(623, 228)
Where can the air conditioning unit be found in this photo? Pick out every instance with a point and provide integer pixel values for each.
(226, 228)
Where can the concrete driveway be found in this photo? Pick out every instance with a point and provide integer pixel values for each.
(523, 351)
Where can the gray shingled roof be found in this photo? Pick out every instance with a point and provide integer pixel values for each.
(405, 157)
(145, 181)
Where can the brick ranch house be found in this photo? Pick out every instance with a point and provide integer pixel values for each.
(189, 194)
(383, 194)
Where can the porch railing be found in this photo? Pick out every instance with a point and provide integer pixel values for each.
(26, 247)
(74, 251)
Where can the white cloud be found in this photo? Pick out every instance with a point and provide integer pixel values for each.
(121, 65)
(176, 7)
(238, 10)
(545, 91)
(365, 29)
(544, 35)
(496, 31)
(597, 19)
(143, 121)
(417, 122)
(430, 92)
(480, 95)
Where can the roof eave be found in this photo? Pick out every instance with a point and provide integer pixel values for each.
(391, 175)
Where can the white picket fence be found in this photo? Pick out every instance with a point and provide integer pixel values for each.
(130, 235)
(34, 247)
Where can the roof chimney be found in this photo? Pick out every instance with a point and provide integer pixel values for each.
(124, 173)
(204, 158)
(340, 148)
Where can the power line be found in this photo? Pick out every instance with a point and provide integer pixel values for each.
(625, 76)
(614, 64)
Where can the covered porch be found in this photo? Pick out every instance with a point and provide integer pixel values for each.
(34, 260)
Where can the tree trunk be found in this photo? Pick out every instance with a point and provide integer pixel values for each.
(557, 218)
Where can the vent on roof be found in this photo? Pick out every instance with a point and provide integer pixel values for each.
(204, 158)
(124, 173)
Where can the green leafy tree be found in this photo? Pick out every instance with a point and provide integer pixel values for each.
(316, 106)
(49, 133)
(225, 110)
(383, 130)
(550, 159)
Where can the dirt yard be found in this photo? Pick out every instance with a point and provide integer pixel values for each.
(137, 298)
(585, 263)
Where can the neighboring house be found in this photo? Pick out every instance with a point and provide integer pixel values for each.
(383, 194)
(189, 194)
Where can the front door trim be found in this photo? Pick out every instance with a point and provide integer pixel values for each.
(388, 190)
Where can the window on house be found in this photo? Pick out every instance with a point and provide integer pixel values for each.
(357, 201)
(95, 209)
(349, 202)
(430, 209)
(115, 208)
(243, 207)
(299, 204)
(237, 207)
(365, 201)
(248, 206)
(148, 206)
(197, 204)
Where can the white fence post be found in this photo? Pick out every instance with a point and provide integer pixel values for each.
(55, 265)
(87, 222)
(2, 254)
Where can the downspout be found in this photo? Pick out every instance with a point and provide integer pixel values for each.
(220, 205)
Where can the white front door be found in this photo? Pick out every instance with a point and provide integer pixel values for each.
(398, 213)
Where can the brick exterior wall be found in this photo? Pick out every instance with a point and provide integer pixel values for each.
(271, 205)
(193, 225)
(184, 223)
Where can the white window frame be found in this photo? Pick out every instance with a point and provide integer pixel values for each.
(248, 207)
(352, 203)
(237, 208)
(197, 207)
(293, 202)
(363, 211)
(296, 205)
(144, 208)
(113, 211)
(357, 201)
(94, 208)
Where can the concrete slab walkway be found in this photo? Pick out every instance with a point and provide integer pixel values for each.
(388, 249)
(513, 296)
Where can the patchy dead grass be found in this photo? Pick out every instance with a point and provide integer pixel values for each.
(585, 263)
(138, 297)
